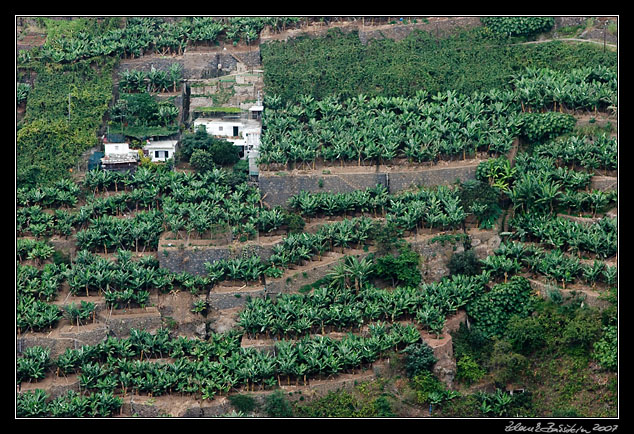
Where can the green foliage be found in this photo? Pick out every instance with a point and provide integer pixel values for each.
(339, 64)
(243, 403)
(401, 269)
(582, 329)
(33, 365)
(468, 371)
(340, 404)
(518, 26)
(50, 139)
(276, 404)
(426, 386)
(491, 310)
(606, 348)
(471, 342)
(497, 172)
(506, 365)
(202, 160)
(383, 407)
(36, 403)
(221, 152)
(78, 314)
(481, 198)
(541, 127)
(295, 223)
(466, 263)
(419, 357)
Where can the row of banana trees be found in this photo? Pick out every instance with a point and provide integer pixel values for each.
(38, 403)
(63, 193)
(109, 233)
(154, 80)
(220, 365)
(31, 249)
(372, 130)
(515, 257)
(160, 200)
(346, 301)
(588, 152)
(437, 207)
(142, 35)
(308, 204)
(541, 186)
(599, 238)
(425, 127)
(589, 88)
(35, 288)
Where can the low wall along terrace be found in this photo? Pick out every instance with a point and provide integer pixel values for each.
(277, 187)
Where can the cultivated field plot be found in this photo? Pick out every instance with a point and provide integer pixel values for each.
(433, 231)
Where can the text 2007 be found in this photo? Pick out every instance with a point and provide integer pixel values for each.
(606, 428)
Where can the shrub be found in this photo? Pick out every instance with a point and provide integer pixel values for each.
(243, 403)
(383, 407)
(583, 329)
(525, 334)
(419, 358)
(223, 153)
(468, 370)
(202, 160)
(518, 26)
(277, 405)
(425, 384)
(606, 348)
(541, 127)
(505, 364)
(401, 269)
(492, 310)
(464, 263)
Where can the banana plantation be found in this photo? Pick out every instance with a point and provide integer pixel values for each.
(442, 299)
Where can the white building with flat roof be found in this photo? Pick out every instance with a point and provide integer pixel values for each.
(242, 131)
(160, 150)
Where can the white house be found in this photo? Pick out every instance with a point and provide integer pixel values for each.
(160, 150)
(119, 157)
(116, 149)
(243, 133)
(221, 127)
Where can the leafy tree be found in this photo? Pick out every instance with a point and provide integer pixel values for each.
(419, 357)
(402, 268)
(202, 160)
(222, 152)
(506, 365)
(491, 310)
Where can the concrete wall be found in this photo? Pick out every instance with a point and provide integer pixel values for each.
(193, 260)
(278, 187)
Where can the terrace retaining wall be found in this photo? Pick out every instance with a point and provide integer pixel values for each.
(278, 187)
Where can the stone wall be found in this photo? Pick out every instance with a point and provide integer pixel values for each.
(193, 260)
(277, 187)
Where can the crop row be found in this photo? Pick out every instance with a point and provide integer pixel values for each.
(152, 34)
(513, 257)
(426, 127)
(219, 365)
